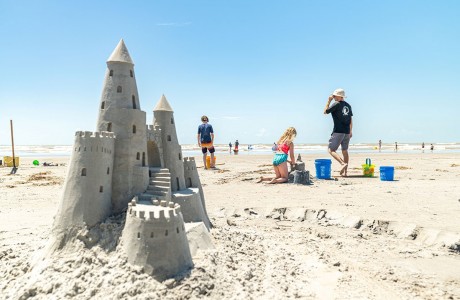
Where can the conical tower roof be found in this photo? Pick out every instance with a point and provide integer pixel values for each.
(163, 105)
(121, 54)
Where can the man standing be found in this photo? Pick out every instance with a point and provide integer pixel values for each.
(206, 140)
(343, 127)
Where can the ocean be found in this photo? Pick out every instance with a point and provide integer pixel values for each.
(40, 151)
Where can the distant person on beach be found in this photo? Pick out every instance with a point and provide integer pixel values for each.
(236, 145)
(206, 140)
(274, 147)
(431, 147)
(396, 146)
(230, 146)
(343, 127)
(285, 149)
(380, 145)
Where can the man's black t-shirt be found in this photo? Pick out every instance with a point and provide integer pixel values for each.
(341, 114)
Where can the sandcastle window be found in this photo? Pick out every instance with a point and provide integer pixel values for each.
(101, 189)
(169, 138)
(177, 181)
(134, 102)
(143, 159)
(138, 235)
(189, 182)
(138, 156)
(180, 156)
(134, 128)
(103, 105)
(166, 233)
(131, 73)
(109, 127)
(151, 234)
(119, 89)
(111, 73)
(83, 172)
(108, 170)
(172, 120)
(177, 229)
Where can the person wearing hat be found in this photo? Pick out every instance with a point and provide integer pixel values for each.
(343, 127)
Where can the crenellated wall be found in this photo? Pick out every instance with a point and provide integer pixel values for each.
(87, 190)
(158, 227)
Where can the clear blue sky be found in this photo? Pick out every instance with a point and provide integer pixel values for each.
(254, 67)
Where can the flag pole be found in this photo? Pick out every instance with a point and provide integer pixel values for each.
(12, 144)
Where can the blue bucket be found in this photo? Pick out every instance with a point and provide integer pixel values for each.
(387, 173)
(323, 168)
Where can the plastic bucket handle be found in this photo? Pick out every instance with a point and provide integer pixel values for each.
(368, 161)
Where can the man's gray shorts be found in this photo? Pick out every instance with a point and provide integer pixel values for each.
(337, 139)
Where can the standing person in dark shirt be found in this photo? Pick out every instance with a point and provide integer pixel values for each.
(343, 127)
(206, 140)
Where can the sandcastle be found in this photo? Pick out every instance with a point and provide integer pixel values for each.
(130, 166)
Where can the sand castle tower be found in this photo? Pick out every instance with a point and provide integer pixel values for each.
(172, 151)
(87, 194)
(154, 237)
(120, 113)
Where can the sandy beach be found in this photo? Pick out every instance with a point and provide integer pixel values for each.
(348, 238)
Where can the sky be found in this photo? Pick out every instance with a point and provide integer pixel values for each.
(253, 67)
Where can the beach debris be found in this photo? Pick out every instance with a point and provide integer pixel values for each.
(231, 222)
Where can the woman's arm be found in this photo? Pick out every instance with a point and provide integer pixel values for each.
(291, 154)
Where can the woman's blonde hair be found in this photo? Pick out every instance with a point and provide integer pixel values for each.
(288, 136)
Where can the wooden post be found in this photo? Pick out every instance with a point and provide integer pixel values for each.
(12, 143)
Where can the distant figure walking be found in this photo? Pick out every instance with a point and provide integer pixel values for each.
(206, 140)
(380, 145)
(280, 160)
(423, 146)
(343, 127)
(396, 146)
(431, 147)
(236, 146)
(230, 146)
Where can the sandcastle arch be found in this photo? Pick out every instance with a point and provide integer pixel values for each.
(153, 154)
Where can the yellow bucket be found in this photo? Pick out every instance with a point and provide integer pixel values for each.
(368, 168)
(208, 162)
(8, 161)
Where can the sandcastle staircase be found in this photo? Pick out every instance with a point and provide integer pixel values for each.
(159, 187)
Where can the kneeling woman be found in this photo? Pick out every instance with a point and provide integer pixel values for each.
(285, 148)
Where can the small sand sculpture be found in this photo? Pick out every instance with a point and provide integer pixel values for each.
(298, 174)
(127, 165)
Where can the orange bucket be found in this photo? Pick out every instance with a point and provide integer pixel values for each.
(208, 162)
